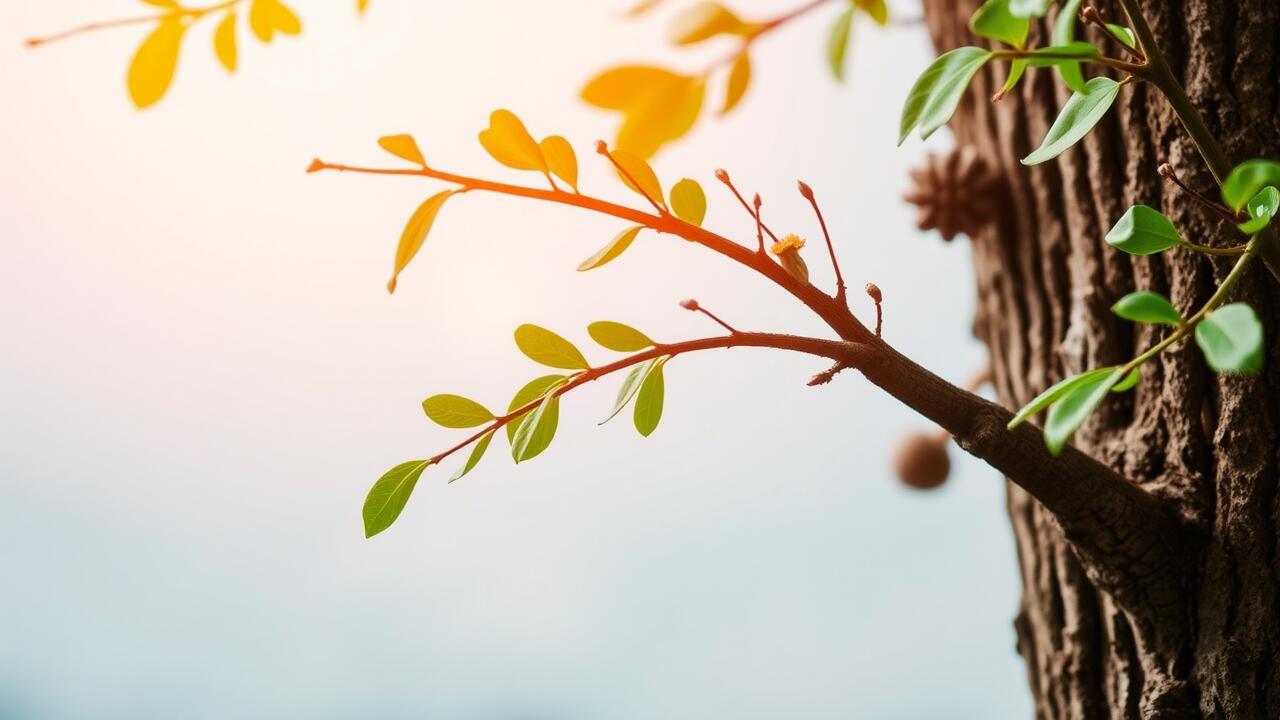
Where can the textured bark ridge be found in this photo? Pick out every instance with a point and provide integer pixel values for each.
(1204, 444)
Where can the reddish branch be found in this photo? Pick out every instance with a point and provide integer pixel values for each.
(1131, 542)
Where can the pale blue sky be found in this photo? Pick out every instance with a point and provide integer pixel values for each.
(202, 375)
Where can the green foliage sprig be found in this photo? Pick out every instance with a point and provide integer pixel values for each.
(1230, 335)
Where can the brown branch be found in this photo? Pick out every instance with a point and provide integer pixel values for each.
(1130, 541)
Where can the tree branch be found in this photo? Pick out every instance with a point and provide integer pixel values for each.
(1130, 542)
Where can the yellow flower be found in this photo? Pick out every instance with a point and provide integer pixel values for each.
(791, 241)
(788, 251)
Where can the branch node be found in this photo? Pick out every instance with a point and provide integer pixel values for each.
(827, 375)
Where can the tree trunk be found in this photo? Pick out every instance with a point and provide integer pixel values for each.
(1205, 444)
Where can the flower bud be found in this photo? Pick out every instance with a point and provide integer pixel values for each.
(787, 250)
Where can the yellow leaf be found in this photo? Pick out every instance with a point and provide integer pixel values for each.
(266, 17)
(415, 233)
(688, 201)
(642, 7)
(361, 6)
(153, 65)
(637, 175)
(739, 78)
(224, 41)
(877, 9)
(613, 249)
(623, 87)
(561, 159)
(163, 4)
(403, 147)
(510, 143)
(702, 21)
(663, 117)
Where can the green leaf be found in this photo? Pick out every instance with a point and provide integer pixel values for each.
(543, 346)
(1148, 307)
(1050, 396)
(1261, 208)
(613, 249)
(455, 411)
(649, 399)
(619, 337)
(1064, 32)
(838, 42)
(1074, 407)
(630, 385)
(994, 22)
(388, 496)
(1029, 8)
(532, 390)
(1123, 34)
(1072, 52)
(1129, 380)
(1231, 339)
(1247, 180)
(933, 99)
(688, 201)
(477, 452)
(415, 233)
(1143, 230)
(1083, 110)
(536, 430)
(1016, 70)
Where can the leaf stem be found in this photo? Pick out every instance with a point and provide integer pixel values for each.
(193, 13)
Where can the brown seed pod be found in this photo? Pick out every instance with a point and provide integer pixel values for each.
(955, 191)
(922, 462)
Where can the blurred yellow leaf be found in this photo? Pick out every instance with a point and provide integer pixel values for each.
(623, 87)
(267, 17)
(415, 233)
(224, 41)
(153, 65)
(404, 147)
(688, 201)
(561, 159)
(739, 78)
(361, 6)
(510, 143)
(665, 116)
(877, 9)
(613, 249)
(164, 4)
(642, 7)
(657, 105)
(637, 175)
(702, 21)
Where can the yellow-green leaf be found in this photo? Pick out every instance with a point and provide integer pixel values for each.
(618, 337)
(403, 147)
(455, 411)
(415, 233)
(649, 400)
(388, 496)
(153, 65)
(838, 42)
(704, 20)
(477, 452)
(637, 175)
(877, 9)
(532, 390)
(613, 249)
(547, 348)
(536, 430)
(507, 140)
(739, 79)
(561, 159)
(224, 41)
(688, 201)
(267, 17)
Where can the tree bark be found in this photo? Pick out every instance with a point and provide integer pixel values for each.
(1205, 444)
